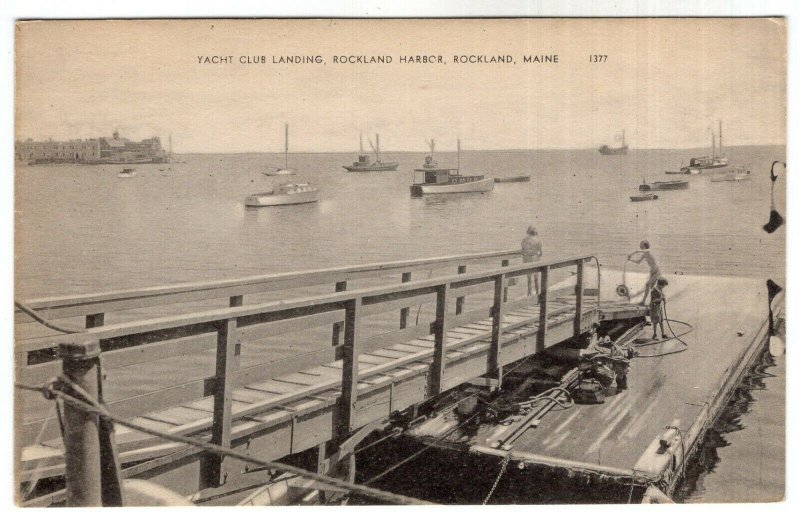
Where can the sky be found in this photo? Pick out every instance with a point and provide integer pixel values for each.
(667, 82)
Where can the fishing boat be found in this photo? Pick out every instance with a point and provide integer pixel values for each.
(644, 197)
(697, 165)
(622, 150)
(442, 180)
(738, 173)
(285, 170)
(513, 179)
(127, 172)
(664, 185)
(285, 194)
(363, 164)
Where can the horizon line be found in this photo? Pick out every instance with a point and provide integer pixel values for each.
(462, 150)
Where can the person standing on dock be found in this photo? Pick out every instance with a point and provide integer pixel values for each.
(644, 254)
(657, 300)
(532, 251)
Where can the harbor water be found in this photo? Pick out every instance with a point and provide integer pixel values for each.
(80, 229)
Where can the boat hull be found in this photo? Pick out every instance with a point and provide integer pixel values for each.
(271, 199)
(644, 197)
(484, 185)
(717, 179)
(279, 173)
(390, 166)
(613, 151)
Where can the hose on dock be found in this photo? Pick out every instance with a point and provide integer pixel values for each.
(91, 406)
(685, 346)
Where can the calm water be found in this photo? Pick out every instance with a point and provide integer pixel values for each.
(81, 229)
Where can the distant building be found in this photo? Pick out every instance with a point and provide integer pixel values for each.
(91, 151)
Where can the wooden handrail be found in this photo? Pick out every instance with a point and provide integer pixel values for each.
(228, 324)
(299, 307)
(94, 304)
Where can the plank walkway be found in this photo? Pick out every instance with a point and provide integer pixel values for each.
(285, 399)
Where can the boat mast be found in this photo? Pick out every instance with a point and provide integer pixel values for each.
(713, 144)
(360, 142)
(623, 137)
(458, 155)
(170, 147)
(286, 146)
(720, 137)
(377, 147)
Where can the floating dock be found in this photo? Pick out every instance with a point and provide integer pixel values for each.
(302, 367)
(643, 436)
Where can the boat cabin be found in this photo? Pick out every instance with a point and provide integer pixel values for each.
(363, 161)
(443, 177)
(293, 188)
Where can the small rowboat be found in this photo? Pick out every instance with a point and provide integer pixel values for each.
(644, 197)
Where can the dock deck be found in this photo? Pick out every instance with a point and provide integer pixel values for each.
(686, 390)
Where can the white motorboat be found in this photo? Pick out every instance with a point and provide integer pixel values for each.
(738, 173)
(285, 194)
(440, 180)
(127, 172)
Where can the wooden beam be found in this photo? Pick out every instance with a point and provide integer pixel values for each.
(341, 286)
(462, 269)
(493, 361)
(542, 336)
(505, 263)
(228, 353)
(578, 299)
(406, 277)
(350, 355)
(440, 342)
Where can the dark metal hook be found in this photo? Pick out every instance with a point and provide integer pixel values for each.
(772, 174)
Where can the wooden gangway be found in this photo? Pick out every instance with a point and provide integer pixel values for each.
(261, 395)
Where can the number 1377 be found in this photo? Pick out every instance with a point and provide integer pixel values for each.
(598, 58)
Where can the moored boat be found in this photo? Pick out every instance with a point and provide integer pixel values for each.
(285, 194)
(738, 173)
(127, 172)
(664, 185)
(285, 170)
(644, 197)
(441, 180)
(697, 165)
(622, 150)
(513, 179)
(363, 164)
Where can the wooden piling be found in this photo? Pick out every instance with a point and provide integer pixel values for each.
(81, 429)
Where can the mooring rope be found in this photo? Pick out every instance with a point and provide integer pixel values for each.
(42, 320)
(91, 406)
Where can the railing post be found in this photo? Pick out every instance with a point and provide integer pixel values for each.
(505, 263)
(341, 286)
(440, 342)
(404, 312)
(462, 269)
(578, 299)
(350, 355)
(228, 351)
(91, 469)
(540, 339)
(494, 365)
(95, 320)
